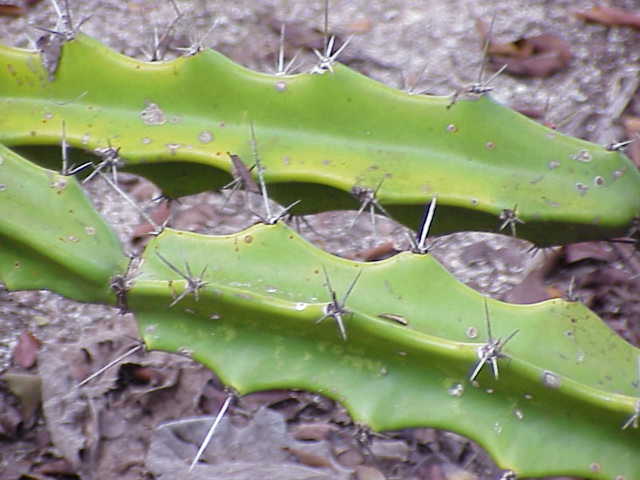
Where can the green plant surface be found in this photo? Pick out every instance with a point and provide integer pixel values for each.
(566, 385)
(319, 136)
(51, 237)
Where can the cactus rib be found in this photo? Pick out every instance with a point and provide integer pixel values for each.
(256, 326)
(50, 235)
(321, 135)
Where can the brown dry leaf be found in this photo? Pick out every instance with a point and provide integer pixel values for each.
(362, 25)
(533, 289)
(25, 354)
(13, 9)
(261, 448)
(308, 458)
(611, 16)
(379, 252)
(160, 214)
(363, 472)
(537, 56)
(28, 389)
(58, 467)
(313, 431)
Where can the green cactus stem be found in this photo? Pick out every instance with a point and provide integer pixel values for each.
(413, 336)
(319, 137)
(51, 237)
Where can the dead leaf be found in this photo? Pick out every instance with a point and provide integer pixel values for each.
(50, 48)
(313, 431)
(28, 388)
(363, 472)
(379, 252)
(10, 417)
(536, 56)
(362, 25)
(589, 251)
(611, 16)
(260, 449)
(309, 459)
(533, 289)
(25, 354)
(58, 467)
(13, 9)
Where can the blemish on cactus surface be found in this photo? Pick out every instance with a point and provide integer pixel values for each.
(394, 317)
(456, 390)
(490, 145)
(452, 128)
(150, 328)
(518, 414)
(582, 188)
(185, 351)
(497, 428)
(281, 86)
(173, 147)
(248, 239)
(472, 332)
(583, 156)
(205, 136)
(553, 164)
(90, 230)
(550, 379)
(59, 184)
(152, 114)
